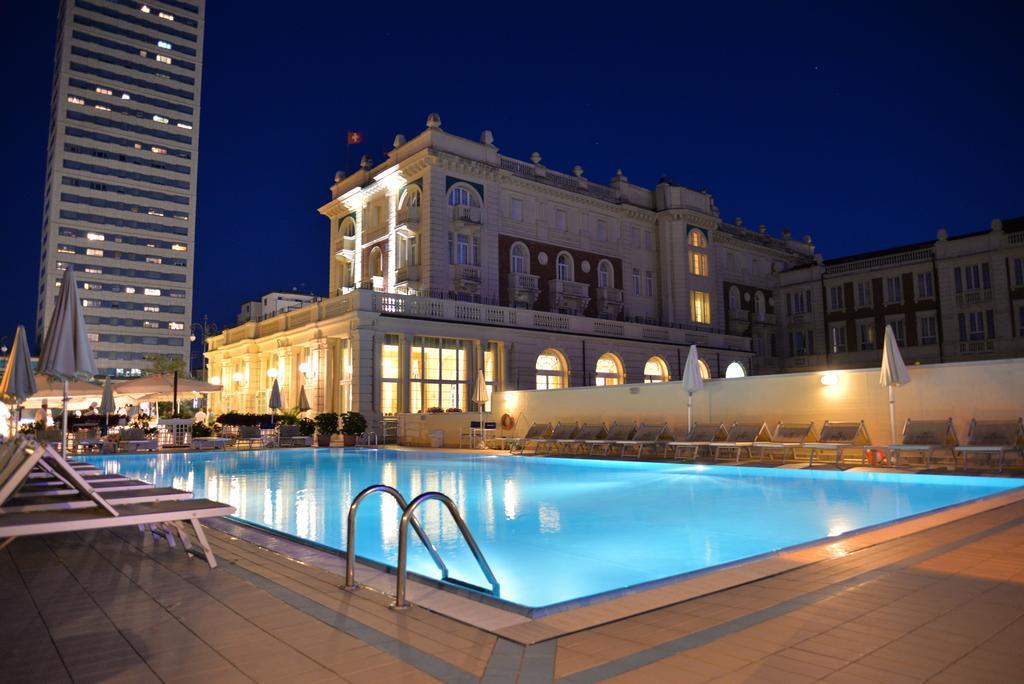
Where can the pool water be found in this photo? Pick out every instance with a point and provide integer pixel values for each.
(553, 530)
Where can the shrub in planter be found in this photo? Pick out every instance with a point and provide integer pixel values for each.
(435, 409)
(201, 430)
(307, 428)
(454, 409)
(352, 424)
(288, 418)
(326, 427)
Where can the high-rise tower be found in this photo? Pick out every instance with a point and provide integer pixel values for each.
(120, 202)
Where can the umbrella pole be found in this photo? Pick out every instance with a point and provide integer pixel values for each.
(689, 411)
(892, 413)
(64, 421)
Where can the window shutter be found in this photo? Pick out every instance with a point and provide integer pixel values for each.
(959, 281)
(963, 326)
(986, 281)
(990, 324)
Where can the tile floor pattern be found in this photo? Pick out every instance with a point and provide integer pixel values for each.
(943, 605)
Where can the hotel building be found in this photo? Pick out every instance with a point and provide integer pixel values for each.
(120, 199)
(449, 257)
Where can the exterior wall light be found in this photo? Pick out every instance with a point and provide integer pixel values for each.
(830, 379)
(237, 377)
(304, 368)
(271, 373)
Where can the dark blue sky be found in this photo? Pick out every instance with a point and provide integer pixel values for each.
(863, 125)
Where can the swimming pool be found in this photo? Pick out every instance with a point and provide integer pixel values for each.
(553, 530)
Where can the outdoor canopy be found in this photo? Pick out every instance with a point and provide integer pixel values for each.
(692, 382)
(160, 387)
(894, 374)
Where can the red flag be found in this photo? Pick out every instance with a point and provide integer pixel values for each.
(355, 137)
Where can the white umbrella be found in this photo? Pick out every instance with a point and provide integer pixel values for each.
(692, 382)
(894, 374)
(66, 353)
(275, 399)
(107, 405)
(481, 397)
(19, 382)
(303, 401)
(160, 387)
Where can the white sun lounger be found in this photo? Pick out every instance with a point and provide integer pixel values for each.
(700, 436)
(587, 433)
(535, 433)
(563, 432)
(835, 438)
(742, 436)
(616, 435)
(993, 438)
(926, 437)
(787, 438)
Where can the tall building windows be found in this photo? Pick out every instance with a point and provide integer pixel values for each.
(894, 290)
(563, 267)
(697, 239)
(608, 370)
(700, 307)
(649, 283)
(551, 370)
(698, 256)
(972, 278)
(1018, 272)
(864, 294)
(561, 220)
(836, 301)
(925, 286)
(801, 342)
(602, 231)
(438, 374)
(515, 209)
(636, 281)
(519, 258)
(698, 263)
(866, 335)
(837, 338)
(976, 326)
(605, 276)
(656, 370)
(927, 329)
(734, 298)
(798, 302)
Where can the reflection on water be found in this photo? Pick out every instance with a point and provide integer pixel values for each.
(552, 530)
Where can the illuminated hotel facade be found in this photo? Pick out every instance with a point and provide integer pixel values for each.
(449, 257)
(120, 198)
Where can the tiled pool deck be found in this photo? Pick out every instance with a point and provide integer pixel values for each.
(939, 599)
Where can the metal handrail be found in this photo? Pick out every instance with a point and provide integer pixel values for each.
(403, 538)
(350, 548)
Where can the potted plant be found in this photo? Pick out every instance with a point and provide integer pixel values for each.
(326, 427)
(352, 424)
(307, 428)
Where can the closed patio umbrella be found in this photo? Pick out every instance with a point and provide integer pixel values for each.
(303, 401)
(894, 374)
(275, 399)
(66, 353)
(692, 382)
(19, 382)
(481, 397)
(107, 405)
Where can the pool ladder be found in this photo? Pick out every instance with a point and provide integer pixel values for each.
(408, 518)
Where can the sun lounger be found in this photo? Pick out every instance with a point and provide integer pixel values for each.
(536, 432)
(645, 436)
(993, 438)
(288, 435)
(700, 436)
(563, 432)
(210, 443)
(135, 439)
(588, 432)
(835, 439)
(22, 503)
(617, 434)
(788, 437)
(100, 514)
(926, 437)
(251, 436)
(741, 437)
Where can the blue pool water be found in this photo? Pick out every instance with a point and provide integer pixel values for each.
(553, 530)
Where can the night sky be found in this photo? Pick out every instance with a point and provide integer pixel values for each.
(862, 125)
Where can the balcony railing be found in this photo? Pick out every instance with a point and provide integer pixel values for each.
(407, 215)
(407, 274)
(900, 259)
(974, 297)
(764, 318)
(739, 315)
(524, 281)
(465, 214)
(570, 289)
(977, 347)
(610, 295)
(347, 249)
(466, 273)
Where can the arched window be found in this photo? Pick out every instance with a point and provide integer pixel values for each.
(705, 371)
(656, 370)
(734, 298)
(347, 228)
(735, 370)
(759, 307)
(563, 267)
(698, 239)
(552, 370)
(698, 257)
(519, 258)
(410, 198)
(605, 274)
(608, 370)
(461, 196)
(376, 262)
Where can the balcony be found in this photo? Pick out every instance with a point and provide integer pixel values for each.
(567, 295)
(609, 301)
(762, 318)
(407, 221)
(973, 297)
(463, 214)
(467, 278)
(978, 347)
(523, 288)
(407, 275)
(739, 315)
(347, 250)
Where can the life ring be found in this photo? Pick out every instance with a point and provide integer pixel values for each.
(507, 422)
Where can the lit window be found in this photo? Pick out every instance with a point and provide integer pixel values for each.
(129, 290)
(158, 150)
(187, 127)
(150, 324)
(94, 252)
(143, 53)
(179, 248)
(551, 370)
(655, 370)
(608, 371)
(102, 108)
(697, 239)
(151, 309)
(125, 96)
(75, 100)
(104, 91)
(700, 307)
(154, 212)
(145, 8)
(93, 270)
(154, 260)
(161, 119)
(519, 258)
(163, 58)
(138, 146)
(698, 263)
(93, 337)
(151, 291)
(165, 15)
(64, 250)
(163, 44)
(735, 370)
(174, 325)
(86, 302)
(95, 236)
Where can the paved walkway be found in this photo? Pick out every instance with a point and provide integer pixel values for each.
(942, 605)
